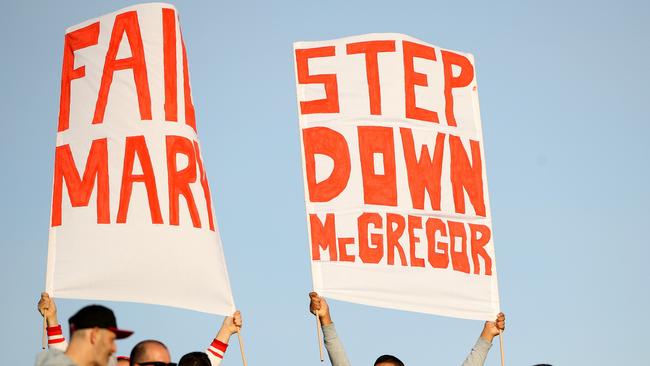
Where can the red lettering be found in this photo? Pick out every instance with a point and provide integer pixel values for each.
(204, 185)
(190, 115)
(424, 173)
(478, 247)
(169, 63)
(394, 230)
(325, 141)
(330, 104)
(462, 80)
(459, 259)
(414, 222)
(136, 145)
(75, 40)
(378, 189)
(367, 253)
(343, 254)
(179, 180)
(126, 23)
(322, 236)
(79, 190)
(371, 49)
(437, 259)
(413, 78)
(465, 176)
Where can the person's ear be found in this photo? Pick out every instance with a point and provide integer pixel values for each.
(93, 334)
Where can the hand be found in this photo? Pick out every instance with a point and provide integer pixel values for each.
(231, 325)
(493, 329)
(318, 306)
(47, 308)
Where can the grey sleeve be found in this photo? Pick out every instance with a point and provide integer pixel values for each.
(478, 354)
(334, 346)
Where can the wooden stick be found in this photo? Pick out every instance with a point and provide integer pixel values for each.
(44, 341)
(320, 342)
(501, 346)
(241, 348)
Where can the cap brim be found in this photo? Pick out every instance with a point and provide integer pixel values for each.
(120, 333)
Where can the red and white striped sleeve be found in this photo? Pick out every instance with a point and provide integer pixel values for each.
(55, 338)
(216, 351)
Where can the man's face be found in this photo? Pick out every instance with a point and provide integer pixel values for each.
(154, 352)
(104, 345)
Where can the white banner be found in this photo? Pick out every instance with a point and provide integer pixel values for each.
(394, 172)
(132, 216)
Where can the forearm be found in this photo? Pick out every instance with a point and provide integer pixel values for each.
(334, 346)
(223, 335)
(325, 318)
(479, 352)
(216, 351)
(55, 338)
(52, 321)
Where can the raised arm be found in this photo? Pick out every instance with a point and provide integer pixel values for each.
(216, 350)
(318, 306)
(479, 352)
(47, 308)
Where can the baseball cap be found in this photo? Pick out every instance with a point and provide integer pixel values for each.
(98, 316)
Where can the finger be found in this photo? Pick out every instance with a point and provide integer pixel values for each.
(316, 302)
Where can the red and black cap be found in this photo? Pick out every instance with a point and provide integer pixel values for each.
(98, 316)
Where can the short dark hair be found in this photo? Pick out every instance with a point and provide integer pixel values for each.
(194, 359)
(140, 349)
(390, 359)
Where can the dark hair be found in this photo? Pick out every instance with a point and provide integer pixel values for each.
(140, 349)
(194, 359)
(390, 359)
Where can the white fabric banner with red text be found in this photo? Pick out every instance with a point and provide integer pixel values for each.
(395, 185)
(132, 216)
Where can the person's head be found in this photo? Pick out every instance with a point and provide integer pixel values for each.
(93, 331)
(194, 359)
(150, 353)
(388, 360)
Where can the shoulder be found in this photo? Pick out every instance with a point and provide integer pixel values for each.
(54, 357)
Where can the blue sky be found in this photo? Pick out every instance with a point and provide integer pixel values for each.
(564, 94)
